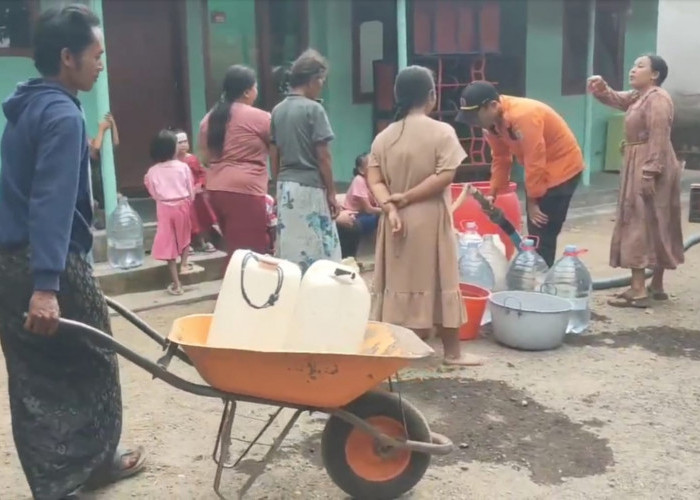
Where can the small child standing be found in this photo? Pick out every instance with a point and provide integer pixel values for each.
(170, 183)
(202, 215)
(271, 207)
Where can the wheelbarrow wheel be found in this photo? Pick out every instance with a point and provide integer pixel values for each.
(355, 462)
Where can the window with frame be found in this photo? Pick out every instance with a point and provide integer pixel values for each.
(608, 45)
(373, 39)
(16, 25)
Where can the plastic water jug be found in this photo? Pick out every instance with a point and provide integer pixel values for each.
(332, 310)
(493, 250)
(255, 304)
(470, 233)
(527, 270)
(125, 237)
(474, 268)
(570, 279)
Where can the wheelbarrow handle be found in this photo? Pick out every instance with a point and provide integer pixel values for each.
(67, 326)
(145, 328)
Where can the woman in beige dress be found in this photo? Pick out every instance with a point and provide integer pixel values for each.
(411, 166)
(647, 231)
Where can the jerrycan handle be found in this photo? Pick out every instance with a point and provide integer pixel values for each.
(343, 273)
(270, 264)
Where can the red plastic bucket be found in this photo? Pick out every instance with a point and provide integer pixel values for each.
(475, 299)
(470, 211)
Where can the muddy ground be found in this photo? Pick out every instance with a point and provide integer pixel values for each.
(612, 414)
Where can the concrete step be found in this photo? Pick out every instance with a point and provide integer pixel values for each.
(154, 275)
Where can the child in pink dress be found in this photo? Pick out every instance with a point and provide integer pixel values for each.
(170, 183)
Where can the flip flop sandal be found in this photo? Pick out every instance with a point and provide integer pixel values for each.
(174, 291)
(117, 469)
(630, 302)
(208, 248)
(622, 295)
(657, 295)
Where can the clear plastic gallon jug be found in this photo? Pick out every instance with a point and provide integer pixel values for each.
(493, 250)
(569, 279)
(256, 303)
(332, 310)
(469, 234)
(474, 268)
(527, 270)
(125, 237)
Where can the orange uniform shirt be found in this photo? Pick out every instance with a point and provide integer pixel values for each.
(541, 141)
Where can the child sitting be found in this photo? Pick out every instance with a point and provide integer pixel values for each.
(171, 184)
(360, 202)
(202, 215)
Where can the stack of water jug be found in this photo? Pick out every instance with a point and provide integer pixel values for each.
(266, 305)
(482, 262)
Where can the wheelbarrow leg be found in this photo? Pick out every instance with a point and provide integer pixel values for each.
(222, 448)
(273, 448)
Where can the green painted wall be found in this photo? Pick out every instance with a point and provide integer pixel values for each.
(197, 73)
(544, 64)
(231, 42)
(330, 33)
(19, 69)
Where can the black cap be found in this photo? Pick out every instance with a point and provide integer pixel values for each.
(474, 96)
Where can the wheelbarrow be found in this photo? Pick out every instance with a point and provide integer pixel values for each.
(375, 445)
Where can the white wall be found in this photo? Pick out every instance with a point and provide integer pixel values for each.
(678, 41)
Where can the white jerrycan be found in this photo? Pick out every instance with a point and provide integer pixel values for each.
(332, 310)
(255, 304)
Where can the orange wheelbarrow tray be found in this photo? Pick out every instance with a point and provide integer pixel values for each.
(375, 444)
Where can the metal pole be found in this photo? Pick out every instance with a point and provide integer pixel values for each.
(401, 33)
(588, 98)
(109, 177)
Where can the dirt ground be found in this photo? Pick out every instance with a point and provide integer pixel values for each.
(611, 414)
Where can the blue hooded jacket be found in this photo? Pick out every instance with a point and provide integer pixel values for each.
(44, 180)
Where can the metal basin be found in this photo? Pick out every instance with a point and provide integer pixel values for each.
(529, 321)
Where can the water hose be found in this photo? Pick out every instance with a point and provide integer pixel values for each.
(606, 284)
(497, 216)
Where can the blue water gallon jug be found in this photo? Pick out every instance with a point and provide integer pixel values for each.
(527, 270)
(125, 237)
(570, 279)
(474, 268)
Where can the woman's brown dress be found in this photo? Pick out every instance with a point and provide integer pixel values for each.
(416, 280)
(647, 232)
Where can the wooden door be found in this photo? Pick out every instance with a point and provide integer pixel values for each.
(147, 65)
(283, 34)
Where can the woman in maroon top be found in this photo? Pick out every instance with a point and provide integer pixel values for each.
(235, 139)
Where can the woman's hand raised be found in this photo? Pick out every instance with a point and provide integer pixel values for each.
(596, 84)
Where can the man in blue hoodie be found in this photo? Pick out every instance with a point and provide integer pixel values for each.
(65, 396)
